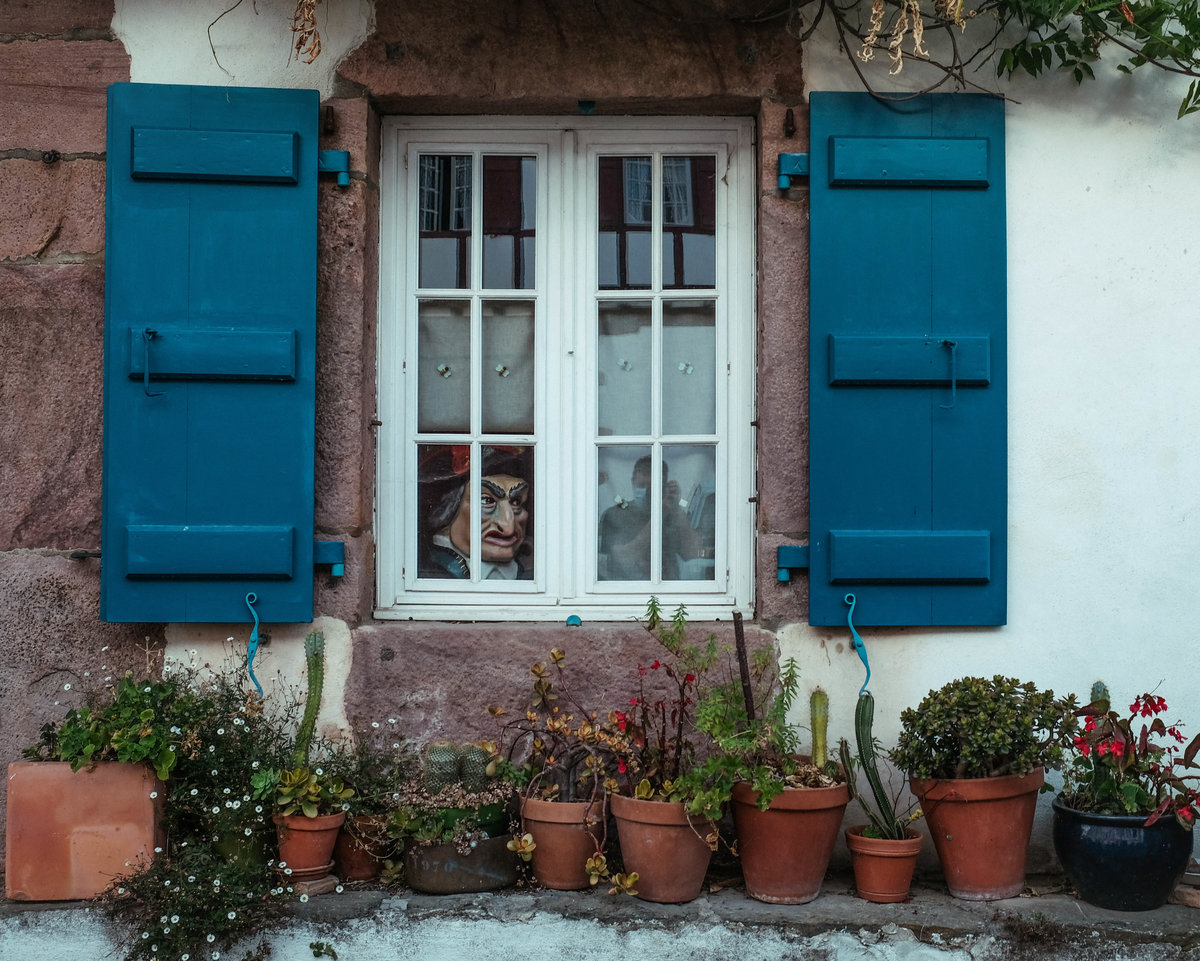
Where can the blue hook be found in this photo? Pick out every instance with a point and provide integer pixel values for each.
(251, 600)
(147, 336)
(859, 646)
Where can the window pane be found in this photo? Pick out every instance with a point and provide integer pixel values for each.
(624, 190)
(508, 367)
(689, 367)
(690, 504)
(503, 504)
(689, 222)
(444, 366)
(509, 216)
(623, 372)
(624, 499)
(444, 218)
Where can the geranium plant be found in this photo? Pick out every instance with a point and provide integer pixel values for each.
(1132, 765)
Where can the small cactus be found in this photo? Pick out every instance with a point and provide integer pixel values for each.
(448, 764)
(818, 707)
(1100, 698)
(314, 658)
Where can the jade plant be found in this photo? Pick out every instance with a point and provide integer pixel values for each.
(984, 727)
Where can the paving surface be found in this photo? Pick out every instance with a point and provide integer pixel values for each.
(1048, 922)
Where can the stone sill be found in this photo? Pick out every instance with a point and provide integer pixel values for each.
(1046, 922)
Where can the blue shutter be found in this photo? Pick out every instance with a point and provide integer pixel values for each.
(907, 449)
(210, 340)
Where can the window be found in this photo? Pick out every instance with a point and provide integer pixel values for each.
(566, 367)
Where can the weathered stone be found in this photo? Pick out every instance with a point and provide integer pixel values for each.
(349, 598)
(438, 679)
(40, 19)
(54, 92)
(571, 52)
(51, 383)
(51, 209)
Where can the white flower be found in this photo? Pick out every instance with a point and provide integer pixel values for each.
(104, 648)
(66, 687)
(212, 938)
(391, 720)
(174, 918)
(287, 870)
(163, 919)
(145, 690)
(220, 730)
(158, 851)
(211, 749)
(283, 864)
(216, 955)
(258, 809)
(153, 795)
(192, 878)
(216, 810)
(375, 724)
(185, 957)
(194, 792)
(214, 772)
(145, 935)
(319, 772)
(303, 898)
(339, 889)
(87, 673)
(254, 766)
(227, 791)
(120, 890)
(231, 915)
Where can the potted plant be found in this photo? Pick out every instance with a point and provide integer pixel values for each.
(975, 752)
(87, 801)
(453, 819)
(883, 851)
(561, 758)
(310, 804)
(665, 850)
(787, 808)
(1123, 820)
(375, 764)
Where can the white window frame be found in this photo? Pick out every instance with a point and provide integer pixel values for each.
(567, 149)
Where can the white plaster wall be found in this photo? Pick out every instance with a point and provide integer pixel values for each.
(1104, 409)
(251, 46)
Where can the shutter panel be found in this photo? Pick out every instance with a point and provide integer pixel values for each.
(210, 331)
(907, 391)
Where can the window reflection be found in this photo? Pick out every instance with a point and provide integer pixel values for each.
(509, 217)
(444, 217)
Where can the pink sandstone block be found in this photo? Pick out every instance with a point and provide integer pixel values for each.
(69, 834)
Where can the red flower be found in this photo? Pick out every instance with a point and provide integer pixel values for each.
(641, 670)
(621, 765)
(689, 678)
(633, 701)
(1187, 814)
(655, 666)
(1102, 748)
(1089, 724)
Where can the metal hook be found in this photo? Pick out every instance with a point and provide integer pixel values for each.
(953, 345)
(147, 336)
(251, 600)
(859, 646)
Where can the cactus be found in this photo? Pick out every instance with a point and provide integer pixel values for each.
(1100, 699)
(314, 658)
(818, 708)
(448, 764)
(883, 818)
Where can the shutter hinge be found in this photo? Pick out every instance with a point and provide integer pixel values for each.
(789, 558)
(332, 553)
(335, 162)
(791, 165)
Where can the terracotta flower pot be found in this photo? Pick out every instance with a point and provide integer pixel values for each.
(69, 833)
(664, 846)
(306, 844)
(981, 827)
(785, 849)
(565, 834)
(883, 867)
(362, 844)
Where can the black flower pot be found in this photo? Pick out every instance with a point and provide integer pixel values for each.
(1116, 862)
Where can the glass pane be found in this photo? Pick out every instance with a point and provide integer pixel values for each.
(689, 512)
(444, 366)
(508, 367)
(444, 220)
(623, 374)
(509, 216)
(689, 222)
(625, 198)
(504, 506)
(689, 381)
(624, 499)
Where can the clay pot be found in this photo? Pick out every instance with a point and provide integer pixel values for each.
(981, 827)
(362, 844)
(565, 835)
(785, 849)
(69, 833)
(664, 846)
(883, 867)
(306, 844)
(441, 869)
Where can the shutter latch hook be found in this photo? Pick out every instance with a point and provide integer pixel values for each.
(148, 335)
(252, 648)
(953, 345)
(859, 646)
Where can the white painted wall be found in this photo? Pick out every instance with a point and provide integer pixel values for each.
(1104, 409)
(251, 45)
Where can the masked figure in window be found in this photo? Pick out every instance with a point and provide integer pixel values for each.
(625, 531)
(506, 552)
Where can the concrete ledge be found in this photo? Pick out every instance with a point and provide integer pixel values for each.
(376, 925)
